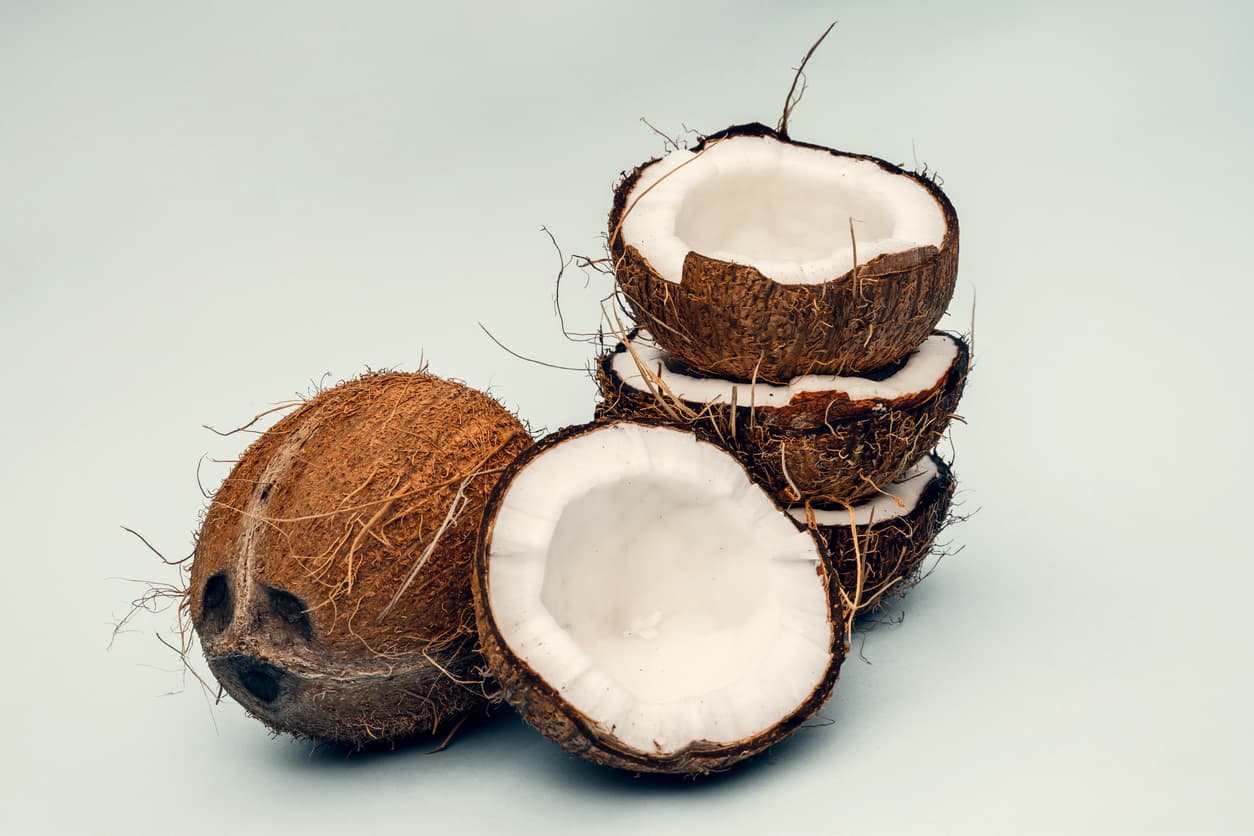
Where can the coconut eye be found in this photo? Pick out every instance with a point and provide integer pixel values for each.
(215, 604)
(262, 681)
(292, 611)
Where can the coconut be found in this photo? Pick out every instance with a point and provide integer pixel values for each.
(330, 583)
(878, 546)
(823, 439)
(756, 257)
(645, 605)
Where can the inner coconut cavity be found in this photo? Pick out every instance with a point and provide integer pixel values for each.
(782, 208)
(663, 595)
(922, 371)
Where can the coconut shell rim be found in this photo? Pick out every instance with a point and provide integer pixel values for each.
(627, 182)
(846, 408)
(940, 483)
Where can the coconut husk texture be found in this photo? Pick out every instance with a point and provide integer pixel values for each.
(821, 447)
(728, 320)
(543, 707)
(330, 583)
(883, 559)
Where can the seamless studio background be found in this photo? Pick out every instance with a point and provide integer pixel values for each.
(208, 208)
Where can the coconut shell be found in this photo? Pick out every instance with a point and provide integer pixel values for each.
(543, 707)
(316, 529)
(728, 320)
(892, 550)
(832, 449)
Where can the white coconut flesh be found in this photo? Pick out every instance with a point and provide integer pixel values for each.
(898, 499)
(641, 574)
(782, 208)
(922, 371)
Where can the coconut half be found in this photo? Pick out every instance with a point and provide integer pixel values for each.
(878, 546)
(753, 256)
(823, 439)
(645, 605)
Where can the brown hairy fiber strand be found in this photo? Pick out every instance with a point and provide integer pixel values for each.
(320, 524)
(892, 550)
(819, 448)
(544, 708)
(728, 320)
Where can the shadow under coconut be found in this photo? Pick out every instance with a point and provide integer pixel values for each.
(501, 735)
(798, 752)
(479, 729)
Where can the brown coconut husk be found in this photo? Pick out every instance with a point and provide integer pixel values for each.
(821, 447)
(330, 583)
(728, 320)
(883, 559)
(543, 707)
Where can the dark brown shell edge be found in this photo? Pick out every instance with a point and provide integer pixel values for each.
(728, 320)
(542, 707)
(893, 550)
(831, 460)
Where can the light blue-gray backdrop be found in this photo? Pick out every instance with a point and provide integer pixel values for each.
(205, 208)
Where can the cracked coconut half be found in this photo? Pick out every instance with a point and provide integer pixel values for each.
(823, 439)
(645, 605)
(754, 256)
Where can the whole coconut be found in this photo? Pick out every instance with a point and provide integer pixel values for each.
(330, 584)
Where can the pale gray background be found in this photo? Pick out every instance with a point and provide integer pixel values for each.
(206, 207)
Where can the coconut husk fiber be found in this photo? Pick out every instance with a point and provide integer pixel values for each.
(889, 553)
(330, 583)
(728, 320)
(821, 447)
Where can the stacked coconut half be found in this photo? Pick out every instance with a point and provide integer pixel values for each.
(670, 587)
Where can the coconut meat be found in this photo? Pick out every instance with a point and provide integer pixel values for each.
(898, 499)
(642, 576)
(782, 208)
(922, 371)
